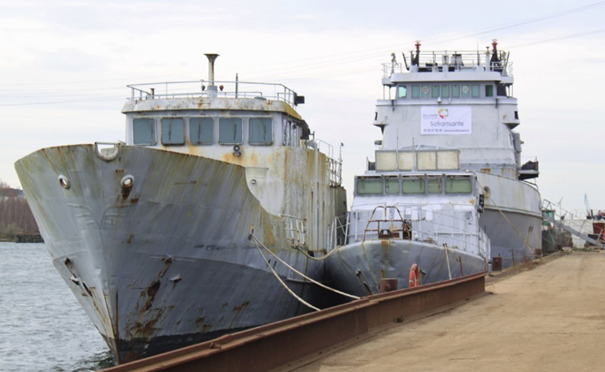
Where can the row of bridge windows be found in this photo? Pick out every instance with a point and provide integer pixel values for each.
(418, 91)
(397, 186)
(204, 131)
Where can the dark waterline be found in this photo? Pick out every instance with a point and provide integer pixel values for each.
(42, 326)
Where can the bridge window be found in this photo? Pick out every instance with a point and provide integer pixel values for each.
(475, 91)
(260, 131)
(489, 90)
(435, 91)
(402, 91)
(173, 132)
(466, 90)
(457, 186)
(426, 91)
(143, 131)
(445, 91)
(415, 91)
(434, 186)
(455, 91)
(201, 131)
(391, 186)
(369, 186)
(413, 186)
(230, 131)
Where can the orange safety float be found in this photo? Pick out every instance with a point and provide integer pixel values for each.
(414, 276)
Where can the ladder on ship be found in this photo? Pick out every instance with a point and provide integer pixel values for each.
(547, 205)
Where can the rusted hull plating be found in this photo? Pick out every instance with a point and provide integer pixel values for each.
(166, 262)
(358, 268)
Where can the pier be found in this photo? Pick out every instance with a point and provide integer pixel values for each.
(295, 342)
(549, 318)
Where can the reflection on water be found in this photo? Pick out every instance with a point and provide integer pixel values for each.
(95, 362)
(42, 326)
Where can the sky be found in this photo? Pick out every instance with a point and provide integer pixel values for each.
(65, 66)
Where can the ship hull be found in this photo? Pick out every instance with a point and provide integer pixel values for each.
(167, 262)
(512, 218)
(514, 236)
(359, 267)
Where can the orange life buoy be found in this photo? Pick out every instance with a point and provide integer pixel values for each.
(414, 276)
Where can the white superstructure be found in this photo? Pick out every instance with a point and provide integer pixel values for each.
(450, 160)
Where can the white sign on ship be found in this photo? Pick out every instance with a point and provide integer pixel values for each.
(446, 120)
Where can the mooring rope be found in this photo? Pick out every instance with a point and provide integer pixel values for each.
(282, 282)
(257, 242)
(317, 258)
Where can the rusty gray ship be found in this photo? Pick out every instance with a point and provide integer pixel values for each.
(178, 234)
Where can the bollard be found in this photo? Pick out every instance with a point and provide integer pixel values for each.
(497, 264)
(388, 285)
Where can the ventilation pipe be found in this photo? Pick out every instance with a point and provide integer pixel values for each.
(211, 87)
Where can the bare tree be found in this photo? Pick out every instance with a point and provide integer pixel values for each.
(15, 215)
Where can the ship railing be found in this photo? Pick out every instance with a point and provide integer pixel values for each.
(388, 227)
(455, 60)
(224, 89)
(337, 232)
(334, 172)
(333, 165)
(296, 230)
(443, 227)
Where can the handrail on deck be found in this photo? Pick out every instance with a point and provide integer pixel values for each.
(201, 88)
(405, 227)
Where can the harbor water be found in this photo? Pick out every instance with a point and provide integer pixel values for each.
(42, 326)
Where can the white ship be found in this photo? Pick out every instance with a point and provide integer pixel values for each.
(175, 236)
(447, 172)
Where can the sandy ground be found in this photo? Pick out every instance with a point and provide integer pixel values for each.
(551, 318)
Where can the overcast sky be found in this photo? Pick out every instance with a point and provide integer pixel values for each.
(65, 66)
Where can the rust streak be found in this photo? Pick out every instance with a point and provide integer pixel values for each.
(152, 290)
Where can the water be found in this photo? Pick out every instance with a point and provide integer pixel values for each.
(42, 326)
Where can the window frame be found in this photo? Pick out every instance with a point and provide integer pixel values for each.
(401, 88)
(456, 91)
(445, 91)
(154, 132)
(439, 181)
(171, 118)
(363, 179)
(470, 181)
(272, 139)
(201, 118)
(427, 94)
(392, 180)
(468, 91)
(420, 182)
(489, 90)
(416, 91)
(241, 122)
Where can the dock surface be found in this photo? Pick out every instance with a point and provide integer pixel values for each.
(551, 318)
